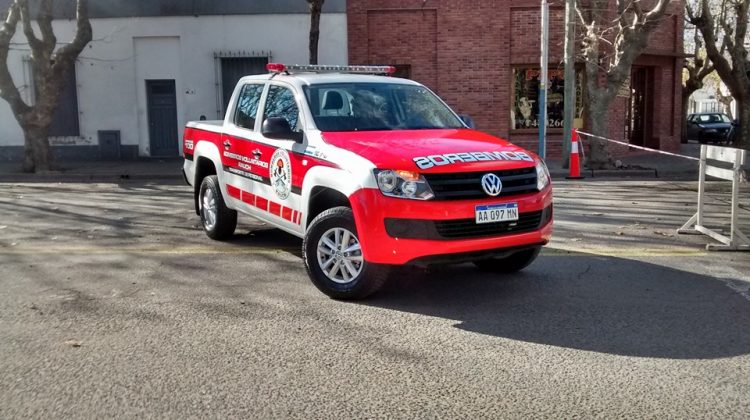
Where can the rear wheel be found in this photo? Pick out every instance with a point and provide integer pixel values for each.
(510, 264)
(219, 221)
(334, 260)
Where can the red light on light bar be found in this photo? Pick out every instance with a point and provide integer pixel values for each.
(275, 67)
(389, 70)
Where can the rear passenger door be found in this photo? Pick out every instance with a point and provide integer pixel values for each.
(241, 157)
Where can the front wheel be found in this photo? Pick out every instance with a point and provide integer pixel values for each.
(334, 260)
(510, 264)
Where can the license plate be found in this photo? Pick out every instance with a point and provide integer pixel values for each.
(496, 213)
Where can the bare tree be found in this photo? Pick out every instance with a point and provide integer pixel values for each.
(713, 82)
(609, 51)
(730, 54)
(51, 67)
(697, 68)
(316, 6)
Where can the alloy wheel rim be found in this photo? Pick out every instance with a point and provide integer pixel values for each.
(340, 255)
(208, 208)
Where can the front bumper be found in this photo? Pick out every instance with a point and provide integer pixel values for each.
(372, 209)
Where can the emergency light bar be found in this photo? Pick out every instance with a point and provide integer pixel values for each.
(312, 68)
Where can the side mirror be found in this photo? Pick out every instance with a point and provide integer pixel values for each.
(468, 121)
(279, 128)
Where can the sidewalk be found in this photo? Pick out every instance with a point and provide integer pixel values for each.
(643, 165)
(100, 171)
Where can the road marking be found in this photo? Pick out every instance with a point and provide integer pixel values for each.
(549, 251)
(625, 252)
(144, 250)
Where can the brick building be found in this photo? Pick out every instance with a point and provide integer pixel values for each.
(482, 57)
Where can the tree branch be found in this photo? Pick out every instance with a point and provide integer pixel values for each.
(83, 34)
(45, 25)
(8, 89)
(28, 30)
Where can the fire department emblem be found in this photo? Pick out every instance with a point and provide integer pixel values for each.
(281, 173)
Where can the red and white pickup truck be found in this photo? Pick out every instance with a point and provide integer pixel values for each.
(371, 171)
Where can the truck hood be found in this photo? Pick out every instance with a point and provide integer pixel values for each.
(432, 151)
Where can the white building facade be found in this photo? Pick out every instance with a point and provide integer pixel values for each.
(154, 65)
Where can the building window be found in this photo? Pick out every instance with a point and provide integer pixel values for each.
(525, 99)
(233, 69)
(65, 120)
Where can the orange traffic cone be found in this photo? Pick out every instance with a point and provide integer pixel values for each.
(575, 162)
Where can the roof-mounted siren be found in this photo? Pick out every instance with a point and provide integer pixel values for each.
(310, 68)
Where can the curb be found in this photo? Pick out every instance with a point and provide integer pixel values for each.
(610, 173)
(78, 177)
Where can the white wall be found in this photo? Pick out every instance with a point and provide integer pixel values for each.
(125, 52)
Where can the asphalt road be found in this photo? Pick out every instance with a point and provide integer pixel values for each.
(115, 304)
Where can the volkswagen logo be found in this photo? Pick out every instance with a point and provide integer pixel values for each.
(492, 184)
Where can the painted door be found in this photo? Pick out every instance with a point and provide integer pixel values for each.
(161, 101)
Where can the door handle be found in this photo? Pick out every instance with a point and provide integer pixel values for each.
(257, 153)
(227, 144)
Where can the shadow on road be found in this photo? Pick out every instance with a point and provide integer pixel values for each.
(587, 302)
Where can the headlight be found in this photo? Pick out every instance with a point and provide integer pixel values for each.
(403, 184)
(542, 175)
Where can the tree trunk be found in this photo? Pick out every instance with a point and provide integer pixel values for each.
(37, 157)
(598, 124)
(683, 115)
(743, 113)
(315, 10)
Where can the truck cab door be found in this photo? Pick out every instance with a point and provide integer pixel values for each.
(282, 184)
(241, 156)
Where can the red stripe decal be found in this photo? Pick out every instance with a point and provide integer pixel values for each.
(286, 213)
(233, 191)
(274, 208)
(248, 198)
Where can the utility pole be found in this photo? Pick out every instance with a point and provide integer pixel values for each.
(543, 81)
(569, 101)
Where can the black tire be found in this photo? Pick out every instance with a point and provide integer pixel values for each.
(510, 264)
(370, 278)
(226, 218)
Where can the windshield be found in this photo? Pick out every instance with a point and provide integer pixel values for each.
(377, 106)
(712, 118)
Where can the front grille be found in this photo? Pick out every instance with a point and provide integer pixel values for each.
(468, 228)
(468, 185)
(465, 228)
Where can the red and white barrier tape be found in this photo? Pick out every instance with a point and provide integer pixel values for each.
(637, 147)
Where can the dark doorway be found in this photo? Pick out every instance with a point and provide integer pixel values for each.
(233, 69)
(162, 117)
(640, 106)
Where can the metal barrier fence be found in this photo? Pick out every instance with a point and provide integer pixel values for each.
(736, 241)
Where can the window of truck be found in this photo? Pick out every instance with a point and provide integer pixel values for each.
(247, 106)
(280, 103)
(377, 106)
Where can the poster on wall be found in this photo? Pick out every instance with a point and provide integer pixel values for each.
(525, 109)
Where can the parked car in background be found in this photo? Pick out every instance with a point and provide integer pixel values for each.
(708, 127)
